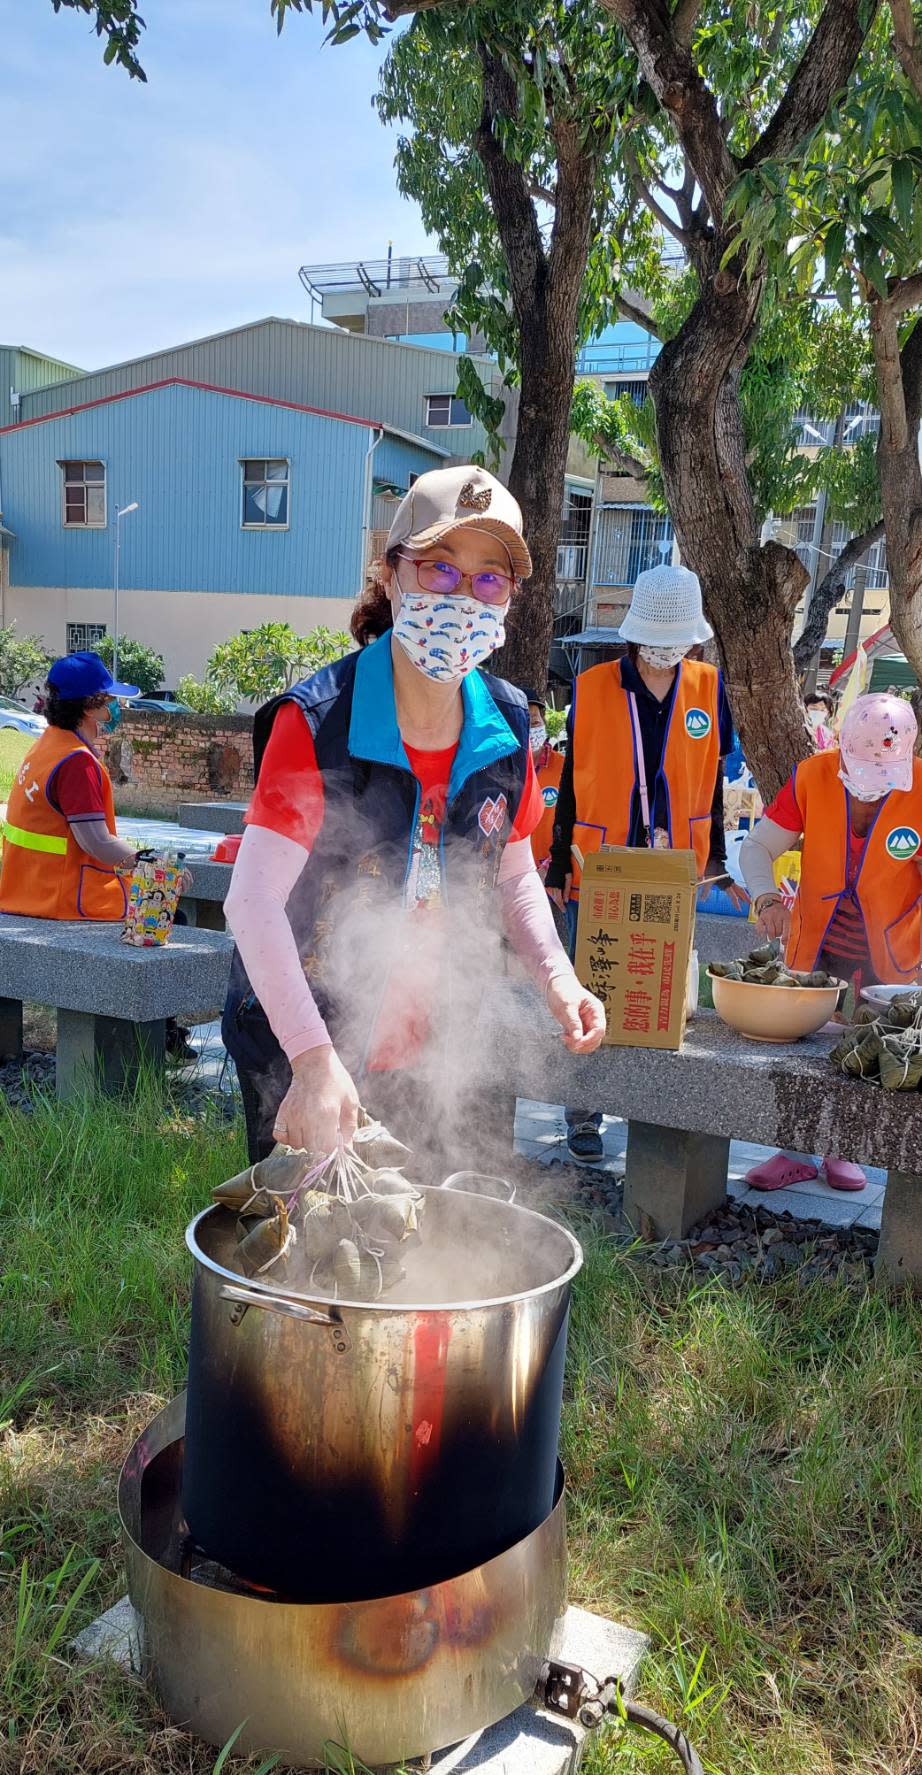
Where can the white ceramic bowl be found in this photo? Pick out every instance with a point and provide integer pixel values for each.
(773, 1013)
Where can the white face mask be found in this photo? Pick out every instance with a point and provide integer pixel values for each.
(860, 794)
(537, 736)
(663, 659)
(447, 637)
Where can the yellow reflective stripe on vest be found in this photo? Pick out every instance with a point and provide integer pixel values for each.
(33, 841)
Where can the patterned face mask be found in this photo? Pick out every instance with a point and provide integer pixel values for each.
(861, 794)
(663, 659)
(447, 637)
(537, 736)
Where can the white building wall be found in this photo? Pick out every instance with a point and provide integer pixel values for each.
(184, 626)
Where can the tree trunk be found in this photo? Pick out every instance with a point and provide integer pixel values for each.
(545, 285)
(750, 593)
(899, 383)
(537, 479)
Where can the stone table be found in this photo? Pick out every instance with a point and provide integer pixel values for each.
(684, 1108)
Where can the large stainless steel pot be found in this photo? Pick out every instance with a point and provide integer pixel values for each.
(391, 1678)
(337, 1452)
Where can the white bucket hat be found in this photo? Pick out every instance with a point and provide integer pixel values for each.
(666, 610)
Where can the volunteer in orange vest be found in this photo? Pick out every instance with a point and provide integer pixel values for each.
(858, 911)
(61, 856)
(647, 734)
(548, 770)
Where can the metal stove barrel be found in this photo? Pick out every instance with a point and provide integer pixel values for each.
(391, 1678)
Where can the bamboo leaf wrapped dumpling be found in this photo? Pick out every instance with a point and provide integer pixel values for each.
(900, 1063)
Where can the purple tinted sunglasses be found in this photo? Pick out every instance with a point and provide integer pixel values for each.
(442, 578)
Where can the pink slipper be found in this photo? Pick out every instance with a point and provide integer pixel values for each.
(841, 1174)
(781, 1172)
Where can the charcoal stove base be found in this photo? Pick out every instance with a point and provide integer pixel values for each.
(394, 1678)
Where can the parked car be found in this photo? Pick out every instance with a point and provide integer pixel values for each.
(17, 716)
(163, 705)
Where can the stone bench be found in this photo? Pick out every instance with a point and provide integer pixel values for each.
(112, 1000)
(213, 816)
(683, 1109)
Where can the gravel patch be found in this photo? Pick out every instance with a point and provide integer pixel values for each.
(741, 1243)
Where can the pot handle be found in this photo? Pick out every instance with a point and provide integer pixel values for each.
(497, 1189)
(289, 1309)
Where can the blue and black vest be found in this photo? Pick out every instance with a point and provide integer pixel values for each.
(353, 881)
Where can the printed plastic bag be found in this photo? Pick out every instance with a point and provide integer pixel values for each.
(152, 901)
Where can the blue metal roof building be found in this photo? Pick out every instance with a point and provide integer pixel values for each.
(265, 463)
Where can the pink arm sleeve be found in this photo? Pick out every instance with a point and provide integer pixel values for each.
(527, 917)
(265, 872)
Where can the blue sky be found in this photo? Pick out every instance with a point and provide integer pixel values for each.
(134, 217)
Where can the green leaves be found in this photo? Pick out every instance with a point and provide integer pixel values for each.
(24, 660)
(121, 25)
(903, 179)
(267, 660)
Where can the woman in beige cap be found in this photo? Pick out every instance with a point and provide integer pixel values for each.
(387, 845)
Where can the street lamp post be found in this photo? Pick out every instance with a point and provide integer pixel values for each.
(120, 513)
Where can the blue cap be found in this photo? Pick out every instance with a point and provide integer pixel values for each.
(85, 674)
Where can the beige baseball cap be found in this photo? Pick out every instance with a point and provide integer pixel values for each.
(449, 498)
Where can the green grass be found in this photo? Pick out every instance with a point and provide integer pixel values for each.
(13, 748)
(745, 1471)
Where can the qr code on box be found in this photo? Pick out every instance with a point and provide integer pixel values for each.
(657, 909)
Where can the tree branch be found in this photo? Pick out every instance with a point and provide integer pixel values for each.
(395, 9)
(906, 43)
(828, 593)
(905, 293)
(822, 71)
(656, 209)
(621, 461)
(637, 308)
(509, 188)
(684, 19)
(669, 69)
(544, 193)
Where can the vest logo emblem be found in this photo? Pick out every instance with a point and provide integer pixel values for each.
(697, 724)
(903, 843)
(492, 815)
(549, 797)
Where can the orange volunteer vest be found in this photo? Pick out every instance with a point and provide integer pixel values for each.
(44, 873)
(888, 886)
(549, 783)
(605, 770)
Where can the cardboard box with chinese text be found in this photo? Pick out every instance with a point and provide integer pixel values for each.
(634, 939)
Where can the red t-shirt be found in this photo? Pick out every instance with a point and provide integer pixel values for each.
(289, 795)
(846, 937)
(288, 799)
(76, 789)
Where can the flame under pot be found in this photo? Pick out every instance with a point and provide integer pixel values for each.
(345, 1451)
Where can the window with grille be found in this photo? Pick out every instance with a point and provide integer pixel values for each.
(84, 495)
(447, 409)
(83, 637)
(573, 543)
(636, 389)
(266, 486)
(630, 539)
